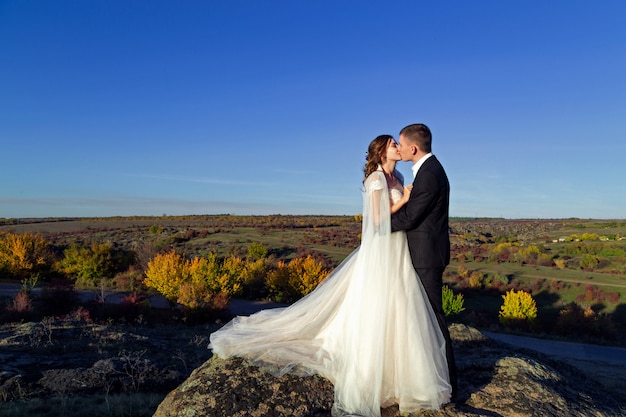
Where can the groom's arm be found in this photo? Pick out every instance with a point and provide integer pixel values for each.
(416, 209)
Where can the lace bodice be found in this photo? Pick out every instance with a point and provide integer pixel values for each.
(395, 194)
(375, 182)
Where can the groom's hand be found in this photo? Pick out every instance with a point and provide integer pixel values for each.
(407, 193)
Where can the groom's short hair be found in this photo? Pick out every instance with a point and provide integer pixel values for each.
(418, 134)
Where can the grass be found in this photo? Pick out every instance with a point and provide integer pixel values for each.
(578, 279)
(223, 242)
(600, 227)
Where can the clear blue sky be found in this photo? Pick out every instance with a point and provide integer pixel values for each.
(266, 107)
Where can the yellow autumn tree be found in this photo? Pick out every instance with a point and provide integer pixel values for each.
(166, 273)
(277, 283)
(518, 307)
(204, 272)
(230, 278)
(289, 282)
(305, 274)
(203, 289)
(22, 254)
(194, 298)
(196, 283)
(253, 278)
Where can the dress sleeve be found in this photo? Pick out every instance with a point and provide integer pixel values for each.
(376, 207)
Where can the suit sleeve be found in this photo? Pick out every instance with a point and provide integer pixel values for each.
(421, 200)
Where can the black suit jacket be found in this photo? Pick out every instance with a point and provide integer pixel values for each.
(425, 217)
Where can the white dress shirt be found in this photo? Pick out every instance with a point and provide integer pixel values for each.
(416, 166)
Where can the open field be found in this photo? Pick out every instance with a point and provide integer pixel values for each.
(332, 238)
(611, 282)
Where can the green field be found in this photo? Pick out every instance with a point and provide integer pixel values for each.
(531, 273)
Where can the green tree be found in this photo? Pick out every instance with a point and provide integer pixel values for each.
(88, 265)
(256, 251)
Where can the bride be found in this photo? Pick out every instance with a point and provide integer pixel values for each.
(368, 327)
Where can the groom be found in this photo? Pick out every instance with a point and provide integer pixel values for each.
(425, 220)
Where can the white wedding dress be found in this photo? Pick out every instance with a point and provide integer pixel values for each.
(368, 327)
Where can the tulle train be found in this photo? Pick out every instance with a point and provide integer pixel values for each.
(375, 339)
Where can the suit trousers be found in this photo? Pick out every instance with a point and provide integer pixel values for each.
(432, 280)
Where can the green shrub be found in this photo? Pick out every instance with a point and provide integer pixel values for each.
(589, 261)
(156, 229)
(452, 304)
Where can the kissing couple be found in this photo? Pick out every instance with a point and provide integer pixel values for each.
(375, 327)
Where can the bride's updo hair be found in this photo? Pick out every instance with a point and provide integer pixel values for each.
(375, 153)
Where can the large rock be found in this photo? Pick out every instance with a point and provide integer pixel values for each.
(494, 380)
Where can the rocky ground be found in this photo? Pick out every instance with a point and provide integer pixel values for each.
(495, 380)
(70, 357)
